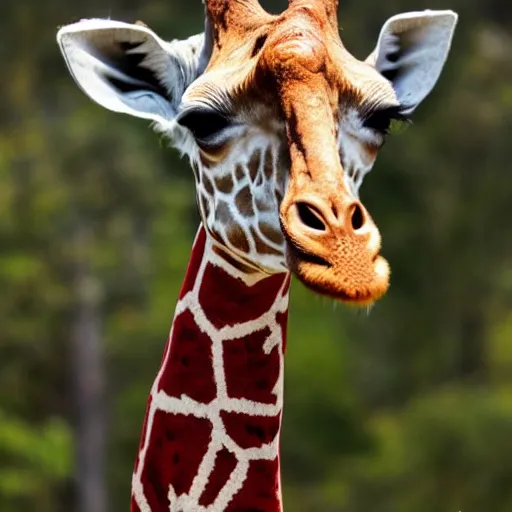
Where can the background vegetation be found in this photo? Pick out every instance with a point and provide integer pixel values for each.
(407, 409)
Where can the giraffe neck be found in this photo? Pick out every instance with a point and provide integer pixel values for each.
(210, 440)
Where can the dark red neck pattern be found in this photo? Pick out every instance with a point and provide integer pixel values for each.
(210, 440)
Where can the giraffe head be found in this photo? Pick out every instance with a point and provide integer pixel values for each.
(280, 123)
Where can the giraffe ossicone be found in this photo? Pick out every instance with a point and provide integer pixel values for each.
(281, 124)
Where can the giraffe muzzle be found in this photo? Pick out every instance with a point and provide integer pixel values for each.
(334, 248)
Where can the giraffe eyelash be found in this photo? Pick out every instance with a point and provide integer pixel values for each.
(204, 124)
(380, 119)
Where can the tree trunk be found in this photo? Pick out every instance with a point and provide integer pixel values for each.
(89, 384)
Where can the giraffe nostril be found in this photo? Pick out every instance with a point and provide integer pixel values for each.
(357, 217)
(310, 217)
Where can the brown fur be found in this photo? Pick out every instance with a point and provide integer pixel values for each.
(295, 65)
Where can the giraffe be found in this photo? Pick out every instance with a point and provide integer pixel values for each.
(280, 124)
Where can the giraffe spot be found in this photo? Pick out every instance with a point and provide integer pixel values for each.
(237, 238)
(217, 238)
(254, 165)
(261, 246)
(273, 234)
(247, 365)
(191, 438)
(260, 489)
(253, 431)
(224, 183)
(243, 201)
(242, 303)
(239, 173)
(195, 379)
(208, 184)
(225, 463)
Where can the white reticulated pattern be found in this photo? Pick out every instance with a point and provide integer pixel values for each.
(212, 411)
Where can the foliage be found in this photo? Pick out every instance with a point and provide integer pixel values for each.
(36, 460)
(406, 408)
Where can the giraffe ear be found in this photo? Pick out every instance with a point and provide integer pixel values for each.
(129, 69)
(411, 51)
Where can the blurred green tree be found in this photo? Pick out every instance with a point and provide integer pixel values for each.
(407, 408)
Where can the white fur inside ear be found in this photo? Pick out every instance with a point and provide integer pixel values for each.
(411, 51)
(127, 68)
(86, 47)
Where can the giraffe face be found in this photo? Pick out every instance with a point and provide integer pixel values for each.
(238, 137)
(280, 123)
(240, 147)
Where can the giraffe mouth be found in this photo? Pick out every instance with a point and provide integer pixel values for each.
(308, 257)
(358, 283)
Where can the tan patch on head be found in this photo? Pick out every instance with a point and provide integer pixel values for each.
(243, 202)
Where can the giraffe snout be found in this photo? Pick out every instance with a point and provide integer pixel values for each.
(333, 247)
(311, 220)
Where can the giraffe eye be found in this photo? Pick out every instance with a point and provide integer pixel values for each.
(380, 120)
(205, 125)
